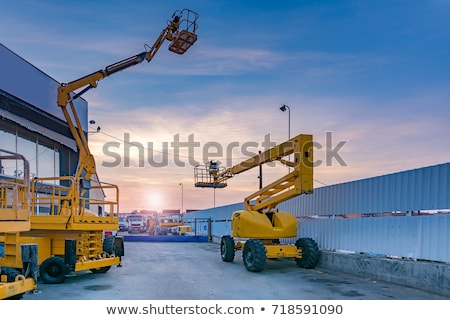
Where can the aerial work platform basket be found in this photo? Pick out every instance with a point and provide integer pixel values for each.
(185, 38)
(204, 175)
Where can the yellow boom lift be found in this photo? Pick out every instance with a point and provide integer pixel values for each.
(15, 218)
(258, 228)
(64, 222)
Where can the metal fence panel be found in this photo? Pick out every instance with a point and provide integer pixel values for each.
(414, 237)
(413, 190)
(220, 219)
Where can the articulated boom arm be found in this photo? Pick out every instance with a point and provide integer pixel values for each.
(182, 40)
(298, 181)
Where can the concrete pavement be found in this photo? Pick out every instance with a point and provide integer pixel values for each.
(195, 271)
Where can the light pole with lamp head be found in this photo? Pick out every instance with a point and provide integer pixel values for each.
(284, 108)
(96, 130)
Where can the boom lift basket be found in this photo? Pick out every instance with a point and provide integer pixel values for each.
(185, 38)
(183, 42)
(204, 176)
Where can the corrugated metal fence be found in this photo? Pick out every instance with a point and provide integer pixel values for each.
(324, 214)
(415, 237)
(413, 190)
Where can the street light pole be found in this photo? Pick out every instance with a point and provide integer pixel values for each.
(182, 197)
(260, 173)
(284, 108)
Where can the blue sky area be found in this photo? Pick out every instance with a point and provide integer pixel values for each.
(375, 75)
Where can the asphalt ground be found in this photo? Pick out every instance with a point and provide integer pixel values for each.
(195, 271)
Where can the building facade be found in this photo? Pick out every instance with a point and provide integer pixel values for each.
(30, 120)
(32, 124)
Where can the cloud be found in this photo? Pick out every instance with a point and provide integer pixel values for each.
(229, 61)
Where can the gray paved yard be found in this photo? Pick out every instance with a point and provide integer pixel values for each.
(195, 271)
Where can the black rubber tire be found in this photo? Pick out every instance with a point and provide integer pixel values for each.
(114, 245)
(11, 275)
(109, 244)
(102, 269)
(227, 248)
(119, 247)
(53, 270)
(254, 255)
(310, 253)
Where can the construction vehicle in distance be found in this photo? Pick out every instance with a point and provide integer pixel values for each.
(258, 228)
(70, 215)
(136, 224)
(181, 230)
(165, 225)
(15, 204)
(123, 223)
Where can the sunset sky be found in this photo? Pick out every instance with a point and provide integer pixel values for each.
(368, 79)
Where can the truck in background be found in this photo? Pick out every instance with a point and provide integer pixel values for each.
(123, 224)
(136, 224)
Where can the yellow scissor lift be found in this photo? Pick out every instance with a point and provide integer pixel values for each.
(69, 232)
(18, 262)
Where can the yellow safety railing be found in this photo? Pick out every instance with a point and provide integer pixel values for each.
(62, 196)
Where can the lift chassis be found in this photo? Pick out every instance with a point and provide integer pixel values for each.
(258, 229)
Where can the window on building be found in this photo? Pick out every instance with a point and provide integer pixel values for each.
(42, 153)
(7, 142)
(27, 148)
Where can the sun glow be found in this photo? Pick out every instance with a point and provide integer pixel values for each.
(155, 201)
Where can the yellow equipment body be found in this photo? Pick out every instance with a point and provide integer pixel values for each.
(59, 216)
(183, 230)
(16, 288)
(276, 250)
(253, 224)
